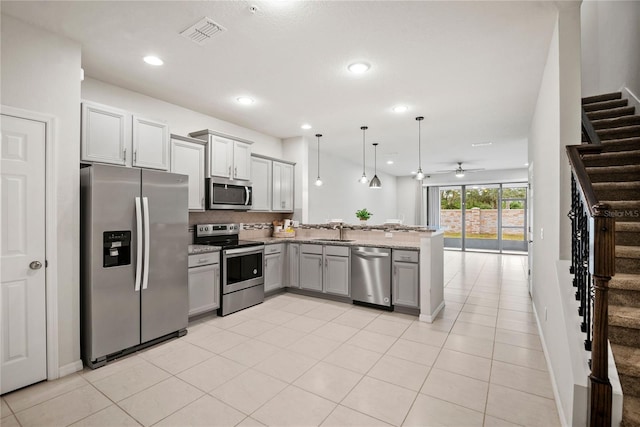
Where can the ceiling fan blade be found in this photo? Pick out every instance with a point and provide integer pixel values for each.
(474, 170)
(445, 171)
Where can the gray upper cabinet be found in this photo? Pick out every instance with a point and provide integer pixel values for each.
(272, 182)
(406, 278)
(188, 158)
(105, 135)
(114, 136)
(227, 157)
(261, 182)
(282, 187)
(150, 143)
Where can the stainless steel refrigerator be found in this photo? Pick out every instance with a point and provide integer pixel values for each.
(134, 242)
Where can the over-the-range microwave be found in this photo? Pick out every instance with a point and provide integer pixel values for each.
(229, 194)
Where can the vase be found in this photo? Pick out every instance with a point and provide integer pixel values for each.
(363, 222)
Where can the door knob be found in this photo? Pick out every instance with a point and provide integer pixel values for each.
(35, 265)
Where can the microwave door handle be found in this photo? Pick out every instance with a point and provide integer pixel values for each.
(145, 273)
(139, 244)
(248, 192)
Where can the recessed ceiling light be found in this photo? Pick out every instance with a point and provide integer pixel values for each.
(153, 60)
(481, 144)
(245, 100)
(389, 162)
(413, 172)
(526, 164)
(306, 126)
(359, 67)
(400, 108)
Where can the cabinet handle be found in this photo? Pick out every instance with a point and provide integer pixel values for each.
(201, 260)
(124, 152)
(235, 171)
(135, 155)
(202, 203)
(229, 171)
(282, 204)
(395, 270)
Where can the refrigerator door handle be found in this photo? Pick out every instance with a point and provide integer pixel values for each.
(145, 276)
(139, 244)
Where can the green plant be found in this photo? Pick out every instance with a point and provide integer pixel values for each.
(363, 214)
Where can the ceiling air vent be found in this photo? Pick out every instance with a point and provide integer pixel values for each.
(202, 31)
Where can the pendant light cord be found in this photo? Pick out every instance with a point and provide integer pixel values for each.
(375, 159)
(419, 144)
(364, 128)
(318, 136)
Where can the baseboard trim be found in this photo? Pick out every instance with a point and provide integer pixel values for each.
(429, 318)
(554, 385)
(631, 97)
(70, 368)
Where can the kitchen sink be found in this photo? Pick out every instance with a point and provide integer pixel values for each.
(333, 240)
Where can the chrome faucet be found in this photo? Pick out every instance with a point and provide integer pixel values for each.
(341, 231)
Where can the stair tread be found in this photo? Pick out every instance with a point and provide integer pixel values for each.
(631, 411)
(612, 154)
(619, 129)
(615, 185)
(614, 122)
(625, 316)
(623, 204)
(627, 251)
(627, 359)
(629, 227)
(627, 281)
(605, 105)
(602, 97)
(611, 112)
(613, 169)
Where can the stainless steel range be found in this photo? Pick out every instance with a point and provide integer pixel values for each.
(242, 266)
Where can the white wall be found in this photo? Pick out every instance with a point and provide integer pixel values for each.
(41, 72)
(181, 120)
(407, 200)
(610, 46)
(554, 125)
(342, 195)
(480, 177)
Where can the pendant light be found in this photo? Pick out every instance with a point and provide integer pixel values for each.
(363, 179)
(375, 181)
(419, 174)
(318, 180)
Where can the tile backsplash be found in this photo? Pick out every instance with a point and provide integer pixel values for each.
(223, 217)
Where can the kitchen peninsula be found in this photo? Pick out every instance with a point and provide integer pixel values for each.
(418, 280)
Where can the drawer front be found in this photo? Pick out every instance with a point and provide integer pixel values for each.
(273, 249)
(337, 250)
(310, 249)
(197, 260)
(406, 256)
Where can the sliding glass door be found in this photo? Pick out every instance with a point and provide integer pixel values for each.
(488, 217)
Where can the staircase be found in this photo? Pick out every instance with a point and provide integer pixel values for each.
(615, 174)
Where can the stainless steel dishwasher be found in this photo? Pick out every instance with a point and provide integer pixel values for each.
(371, 276)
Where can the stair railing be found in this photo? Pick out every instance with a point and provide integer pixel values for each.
(588, 130)
(593, 265)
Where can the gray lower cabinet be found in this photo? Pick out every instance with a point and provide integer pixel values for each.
(273, 267)
(311, 267)
(406, 278)
(204, 283)
(337, 270)
(325, 269)
(293, 265)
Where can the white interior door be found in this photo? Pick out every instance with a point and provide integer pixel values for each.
(23, 349)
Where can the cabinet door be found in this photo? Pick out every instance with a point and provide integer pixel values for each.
(261, 182)
(220, 156)
(311, 271)
(188, 158)
(336, 277)
(241, 160)
(216, 286)
(202, 290)
(282, 187)
(406, 282)
(294, 266)
(105, 135)
(150, 144)
(273, 271)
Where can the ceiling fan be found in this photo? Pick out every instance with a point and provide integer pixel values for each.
(459, 171)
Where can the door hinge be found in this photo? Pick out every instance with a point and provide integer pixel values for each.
(46, 263)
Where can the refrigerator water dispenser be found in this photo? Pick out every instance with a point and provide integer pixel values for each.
(116, 248)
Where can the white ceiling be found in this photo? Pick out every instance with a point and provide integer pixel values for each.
(473, 69)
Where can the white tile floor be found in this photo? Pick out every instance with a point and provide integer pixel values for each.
(302, 361)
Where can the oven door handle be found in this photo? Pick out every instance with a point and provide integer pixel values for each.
(244, 251)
